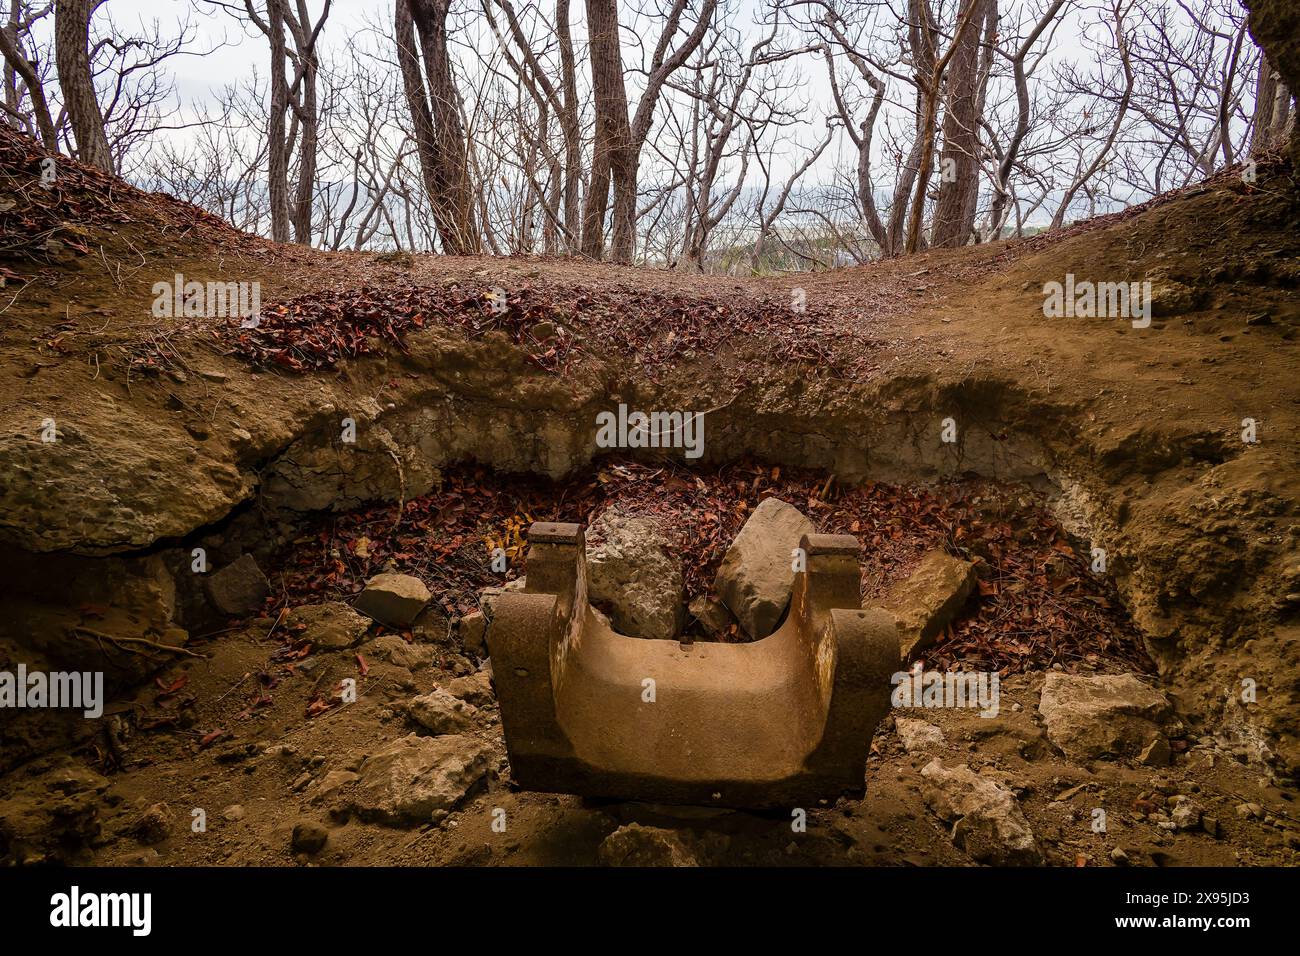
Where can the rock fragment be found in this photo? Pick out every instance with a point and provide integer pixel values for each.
(634, 574)
(441, 713)
(1107, 715)
(986, 820)
(756, 576)
(714, 617)
(309, 837)
(918, 735)
(238, 588)
(393, 599)
(414, 778)
(928, 599)
(638, 845)
(332, 626)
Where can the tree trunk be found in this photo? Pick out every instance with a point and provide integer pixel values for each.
(417, 103)
(448, 133)
(277, 171)
(931, 98)
(613, 131)
(1275, 25)
(1272, 109)
(310, 120)
(572, 130)
(18, 65)
(435, 114)
(72, 60)
(618, 138)
(954, 210)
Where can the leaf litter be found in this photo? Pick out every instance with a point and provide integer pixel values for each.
(1037, 601)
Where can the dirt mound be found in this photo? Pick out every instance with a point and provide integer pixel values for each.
(55, 208)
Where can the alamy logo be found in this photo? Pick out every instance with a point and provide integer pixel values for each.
(212, 300)
(921, 688)
(1098, 300)
(82, 691)
(654, 430)
(74, 908)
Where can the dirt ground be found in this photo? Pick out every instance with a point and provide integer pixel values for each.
(270, 776)
(168, 431)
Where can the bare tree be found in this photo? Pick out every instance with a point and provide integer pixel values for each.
(1273, 118)
(72, 57)
(293, 122)
(1009, 155)
(1273, 25)
(767, 218)
(435, 112)
(18, 65)
(954, 210)
(476, 126)
(736, 100)
(618, 138)
(930, 98)
(1122, 93)
(563, 193)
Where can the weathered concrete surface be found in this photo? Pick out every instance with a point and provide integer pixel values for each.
(757, 573)
(778, 722)
(926, 601)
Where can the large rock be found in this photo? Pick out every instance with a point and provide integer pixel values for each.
(633, 574)
(441, 713)
(637, 845)
(332, 626)
(414, 778)
(1106, 715)
(393, 599)
(756, 576)
(986, 821)
(927, 601)
(309, 837)
(239, 587)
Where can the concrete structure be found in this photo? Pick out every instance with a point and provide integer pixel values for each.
(780, 722)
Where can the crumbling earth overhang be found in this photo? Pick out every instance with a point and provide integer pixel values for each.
(780, 722)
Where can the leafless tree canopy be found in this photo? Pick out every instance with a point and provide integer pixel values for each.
(715, 135)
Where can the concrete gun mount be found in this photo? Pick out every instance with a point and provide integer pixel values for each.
(780, 722)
